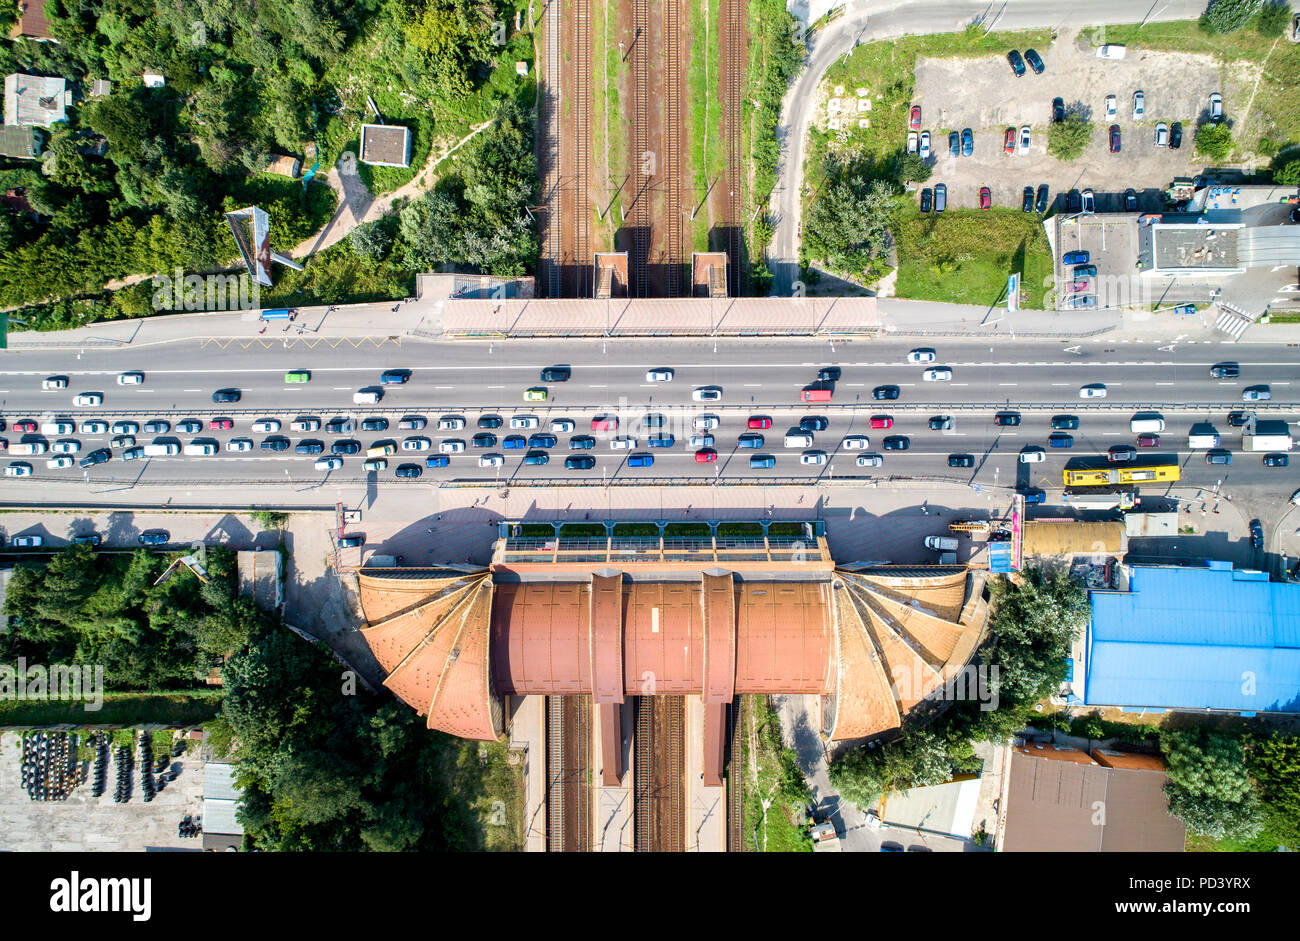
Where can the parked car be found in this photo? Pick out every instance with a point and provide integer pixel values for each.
(1130, 200)
(1027, 200)
(1017, 63)
(940, 197)
(1112, 106)
(154, 537)
(925, 145)
(1076, 286)
(1084, 271)
(1216, 107)
(1175, 135)
(1041, 203)
(1256, 535)
(1162, 134)
(1139, 105)
(967, 142)
(1073, 202)
(914, 118)
(1075, 258)
(1089, 202)
(986, 198)
(927, 199)
(913, 142)
(351, 541)
(1058, 110)
(1009, 141)
(1114, 139)
(1023, 148)
(1034, 61)
(1080, 302)
(954, 144)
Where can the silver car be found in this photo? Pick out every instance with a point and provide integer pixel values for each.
(1162, 134)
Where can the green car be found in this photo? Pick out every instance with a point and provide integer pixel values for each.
(535, 395)
(298, 375)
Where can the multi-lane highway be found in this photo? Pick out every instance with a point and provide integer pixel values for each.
(758, 377)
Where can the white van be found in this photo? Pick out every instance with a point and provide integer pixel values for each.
(366, 397)
(162, 448)
(798, 440)
(941, 543)
(29, 447)
(1032, 455)
(1143, 425)
(201, 448)
(58, 427)
(1195, 442)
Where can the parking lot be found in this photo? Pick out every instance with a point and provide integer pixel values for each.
(984, 95)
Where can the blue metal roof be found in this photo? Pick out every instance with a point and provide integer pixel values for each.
(1209, 638)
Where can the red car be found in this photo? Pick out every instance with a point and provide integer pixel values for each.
(220, 424)
(706, 456)
(1074, 287)
(1148, 441)
(26, 425)
(882, 421)
(604, 423)
(759, 421)
(914, 119)
(986, 197)
(1114, 138)
(1009, 142)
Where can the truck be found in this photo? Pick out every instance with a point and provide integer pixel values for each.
(1115, 500)
(1266, 436)
(941, 543)
(279, 313)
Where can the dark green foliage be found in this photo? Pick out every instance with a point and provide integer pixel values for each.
(1288, 174)
(1209, 786)
(910, 168)
(1274, 17)
(1214, 141)
(1035, 621)
(1274, 763)
(777, 51)
(1068, 139)
(1228, 16)
(847, 223)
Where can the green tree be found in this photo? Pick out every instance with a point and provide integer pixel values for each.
(848, 222)
(1273, 19)
(372, 240)
(1228, 16)
(1216, 818)
(911, 168)
(1036, 620)
(1209, 786)
(1068, 139)
(1214, 140)
(1274, 762)
(1288, 174)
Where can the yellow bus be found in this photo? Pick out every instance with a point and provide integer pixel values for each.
(1106, 476)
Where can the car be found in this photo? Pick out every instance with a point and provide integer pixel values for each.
(536, 394)
(1035, 62)
(376, 424)
(90, 539)
(1139, 105)
(341, 426)
(1042, 202)
(304, 424)
(1084, 271)
(707, 394)
(1034, 496)
(1276, 460)
(60, 462)
(1058, 110)
(1237, 419)
(706, 456)
(1216, 107)
(1007, 419)
(297, 376)
(524, 421)
(97, 427)
(484, 440)
(409, 471)
(579, 462)
(881, 421)
(582, 443)
(814, 423)
(896, 443)
(96, 457)
(937, 374)
(661, 441)
(1225, 371)
(225, 396)
(374, 464)
(961, 460)
(640, 460)
(133, 454)
(761, 461)
(1027, 199)
(28, 542)
(419, 443)
(855, 443)
(927, 199)
(1096, 390)
(1256, 535)
(239, 444)
(1162, 134)
(622, 443)
(562, 425)
(749, 440)
(491, 460)
(1295, 498)
(1025, 140)
(924, 149)
(1114, 139)
(130, 378)
(922, 355)
(345, 447)
(941, 423)
(1218, 456)
(604, 423)
(1009, 141)
(1060, 440)
(266, 426)
(57, 428)
(225, 424)
(88, 400)
(914, 118)
(122, 441)
(758, 421)
(1120, 453)
(1075, 258)
(437, 460)
(18, 469)
(451, 423)
(913, 142)
(940, 197)
(1148, 441)
(986, 198)
(1130, 200)
(881, 393)
(55, 382)
(1073, 202)
(276, 443)
(541, 441)
(1175, 135)
(1077, 286)
(309, 447)
(1032, 454)
(1017, 63)
(1080, 302)
(1256, 394)
(869, 460)
(1185, 310)
(1112, 106)
(813, 457)
(967, 142)
(1089, 203)
(351, 541)
(394, 377)
(556, 374)
(154, 537)
(328, 463)
(701, 441)
(659, 375)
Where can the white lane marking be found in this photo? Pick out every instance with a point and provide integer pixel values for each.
(1060, 383)
(191, 390)
(595, 386)
(496, 387)
(1110, 434)
(444, 387)
(1008, 383)
(1164, 383)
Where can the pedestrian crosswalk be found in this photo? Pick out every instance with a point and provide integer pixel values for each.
(1232, 322)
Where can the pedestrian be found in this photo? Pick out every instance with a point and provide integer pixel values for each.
(439, 517)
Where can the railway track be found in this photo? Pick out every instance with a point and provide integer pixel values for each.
(733, 43)
(643, 161)
(735, 778)
(555, 774)
(672, 158)
(641, 776)
(658, 783)
(582, 157)
(568, 788)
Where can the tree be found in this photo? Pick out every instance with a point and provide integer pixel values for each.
(1068, 139)
(1215, 818)
(1209, 786)
(848, 222)
(1288, 174)
(1274, 762)
(1214, 140)
(911, 169)
(1228, 16)
(371, 240)
(1273, 19)
(1036, 620)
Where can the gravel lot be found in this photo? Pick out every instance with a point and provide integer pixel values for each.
(982, 94)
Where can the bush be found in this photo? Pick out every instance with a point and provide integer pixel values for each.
(1068, 139)
(1228, 16)
(1273, 18)
(1214, 141)
(1288, 174)
(910, 168)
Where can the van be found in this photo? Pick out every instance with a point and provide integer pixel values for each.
(162, 448)
(1145, 424)
(1196, 442)
(941, 543)
(381, 449)
(367, 397)
(58, 427)
(798, 441)
(200, 448)
(29, 447)
(813, 394)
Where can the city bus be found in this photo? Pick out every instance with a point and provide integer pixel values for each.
(1106, 476)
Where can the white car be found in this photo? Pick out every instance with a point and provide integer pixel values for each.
(921, 356)
(813, 457)
(925, 145)
(622, 443)
(123, 441)
(911, 142)
(524, 421)
(1095, 391)
(1088, 200)
(88, 400)
(451, 423)
(701, 441)
(1112, 106)
(1032, 455)
(706, 422)
(659, 375)
(20, 469)
(856, 443)
(329, 463)
(94, 427)
(451, 446)
(266, 426)
(125, 428)
(305, 424)
(561, 425)
(1112, 51)
(130, 379)
(57, 428)
(416, 443)
(937, 374)
(60, 462)
(490, 460)
(28, 542)
(1162, 134)
(54, 382)
(1023, 148)
(870, 460)
(1139, 105)
(707, 394)
(239, 444)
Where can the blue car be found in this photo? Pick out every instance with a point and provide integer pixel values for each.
(967, 142)
(542, 441)
(514, 442)
(582, 443)
(437, 460)
(762, 460)
(749, 441)
(394, 377)
(954, 144)
(1075, 258)
(537, 457)
(1060, 441)
(579, 463)
(663, 441)
(640, 460)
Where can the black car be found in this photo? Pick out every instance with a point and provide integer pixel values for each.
(541, 441)
(351, 542)
(927, 199)
(1130, 200)
(96, 457)
(1276, 460)
(582, 443)
(489, 421)
(885, 392)
(374, 424)
(1027, 199)
(345, 447)
(1058, 110)
(1007, 419)
(1256, 535)
(1017, 63)
(154, 537)
(340, 426)
(941, 423)
(409, 470)
(1065, 423)
(828, 374)
(93, 539)
(1073, 202)
(1225, 371)
(278, 443)
(1035, 62)
(484, 440)
(1237, 419)
(225, 395)
(896, 443)
(1176, 135)
(556, 374)
(961, 460)
(813, 423)
(580, 462)
(309, 447)
(1041, 204)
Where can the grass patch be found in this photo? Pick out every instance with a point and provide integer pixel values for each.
(686, 531)
(499, 801)
(340, 276)
(775, 789)
(608, 126)
(582, 531)
(131, 709)
(1283, 316)
(965, 256)
(740, 531)
(636, 531)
